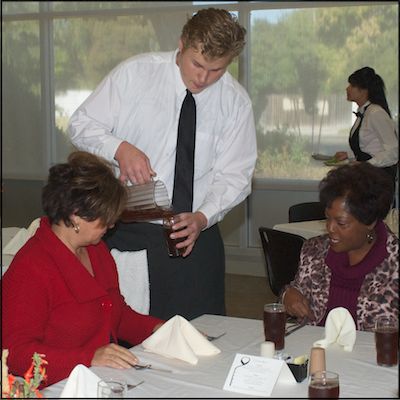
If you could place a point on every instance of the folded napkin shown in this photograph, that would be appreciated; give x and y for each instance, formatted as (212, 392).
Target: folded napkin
(339, 328)
(392, 221)
(178, 338)
(21, 237)
(81, 384)
(133, 276)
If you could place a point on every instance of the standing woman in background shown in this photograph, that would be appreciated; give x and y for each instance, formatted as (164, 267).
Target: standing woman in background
(373, 137)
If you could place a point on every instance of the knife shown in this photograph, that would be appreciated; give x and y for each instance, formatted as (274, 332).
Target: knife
(149, 366)
(303, 323)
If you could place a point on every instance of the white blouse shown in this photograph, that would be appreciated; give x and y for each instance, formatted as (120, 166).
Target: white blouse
(378, 136)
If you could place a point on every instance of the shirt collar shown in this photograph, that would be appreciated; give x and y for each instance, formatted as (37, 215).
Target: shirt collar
(180, 85)
(362, 108)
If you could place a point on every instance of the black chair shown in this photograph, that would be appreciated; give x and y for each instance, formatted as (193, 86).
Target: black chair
(306, 211)
(282, 255)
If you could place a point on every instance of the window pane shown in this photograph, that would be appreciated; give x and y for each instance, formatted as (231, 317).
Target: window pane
(300, 62)
(17, 7)
(87, 49)
(23, 141)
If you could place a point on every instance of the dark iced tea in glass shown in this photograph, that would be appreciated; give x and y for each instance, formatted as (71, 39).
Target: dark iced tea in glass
(274, 324)
(387, 346)
(323, 392)
(323, 385)
(171, 243)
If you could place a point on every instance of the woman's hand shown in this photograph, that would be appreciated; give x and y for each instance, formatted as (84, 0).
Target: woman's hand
(297, 305)
(115, 356)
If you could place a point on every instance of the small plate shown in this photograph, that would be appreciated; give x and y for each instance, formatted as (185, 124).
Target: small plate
(321, 157)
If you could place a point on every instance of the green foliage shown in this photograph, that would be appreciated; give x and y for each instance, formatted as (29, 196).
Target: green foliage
(286, 155)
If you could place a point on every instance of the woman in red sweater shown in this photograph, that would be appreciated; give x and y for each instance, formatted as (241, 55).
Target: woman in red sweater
(60, 294)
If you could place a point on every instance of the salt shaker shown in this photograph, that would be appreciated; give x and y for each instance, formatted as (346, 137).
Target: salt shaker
(317, 360)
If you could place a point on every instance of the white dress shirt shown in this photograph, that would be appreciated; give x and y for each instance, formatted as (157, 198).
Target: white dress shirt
(140, 101)
(378, 136)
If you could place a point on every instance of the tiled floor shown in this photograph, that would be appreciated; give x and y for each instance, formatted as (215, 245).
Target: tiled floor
(246, 295)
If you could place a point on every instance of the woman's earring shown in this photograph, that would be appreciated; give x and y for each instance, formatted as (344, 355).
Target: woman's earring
(370, 236)
(76, 227)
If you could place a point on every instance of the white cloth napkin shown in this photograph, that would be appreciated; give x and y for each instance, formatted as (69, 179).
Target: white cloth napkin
(392, 221)
(81, 384)
(21, 237)
(133, 278)
(339, 328)
(179, 339)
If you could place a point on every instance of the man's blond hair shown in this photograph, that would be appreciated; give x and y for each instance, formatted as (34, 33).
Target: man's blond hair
(216, 33)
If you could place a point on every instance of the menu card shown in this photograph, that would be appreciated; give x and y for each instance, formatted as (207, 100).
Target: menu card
(256, 375)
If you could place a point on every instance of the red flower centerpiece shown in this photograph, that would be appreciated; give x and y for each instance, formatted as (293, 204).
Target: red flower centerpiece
(26, 388)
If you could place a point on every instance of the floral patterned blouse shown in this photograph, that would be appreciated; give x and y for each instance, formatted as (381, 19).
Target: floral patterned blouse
(379, 292)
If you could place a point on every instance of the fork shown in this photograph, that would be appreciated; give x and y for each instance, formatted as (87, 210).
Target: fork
(211, 338)
(130, 386)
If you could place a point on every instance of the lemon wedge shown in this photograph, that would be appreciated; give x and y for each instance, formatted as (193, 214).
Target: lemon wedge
(300, 359)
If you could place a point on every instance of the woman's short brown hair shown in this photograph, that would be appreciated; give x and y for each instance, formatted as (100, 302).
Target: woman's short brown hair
(86, 186)
(215, 32)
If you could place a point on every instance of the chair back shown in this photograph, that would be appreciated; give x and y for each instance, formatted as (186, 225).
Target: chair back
(282, 255)
(306, 211)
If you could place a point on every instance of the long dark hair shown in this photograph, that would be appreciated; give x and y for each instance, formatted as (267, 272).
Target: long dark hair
(366, 78)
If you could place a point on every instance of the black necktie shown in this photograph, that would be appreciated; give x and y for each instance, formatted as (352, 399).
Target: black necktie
(182, 198)
(357, 114)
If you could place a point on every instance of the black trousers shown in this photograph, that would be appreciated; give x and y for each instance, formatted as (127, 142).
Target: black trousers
(189, 286)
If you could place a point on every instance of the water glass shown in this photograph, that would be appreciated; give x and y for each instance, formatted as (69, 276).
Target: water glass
(112, 389)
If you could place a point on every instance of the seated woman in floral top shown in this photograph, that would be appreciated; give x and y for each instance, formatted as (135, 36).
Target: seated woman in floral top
(356, 264)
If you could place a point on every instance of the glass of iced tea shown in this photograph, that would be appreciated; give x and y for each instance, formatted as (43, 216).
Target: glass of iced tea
(274, 324)
(386, 341)
(173, 251)
(323, 385)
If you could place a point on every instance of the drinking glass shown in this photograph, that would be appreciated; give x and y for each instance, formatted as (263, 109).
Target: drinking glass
(112, 389)
(274, 325)
(146, 202)
(168, 222)
(323, 385)
(386, 341)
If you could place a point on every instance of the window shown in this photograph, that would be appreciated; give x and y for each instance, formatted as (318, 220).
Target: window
(295, 67)
(300, 61)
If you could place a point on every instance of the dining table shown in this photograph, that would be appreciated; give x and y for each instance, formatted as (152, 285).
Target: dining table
(359, 374)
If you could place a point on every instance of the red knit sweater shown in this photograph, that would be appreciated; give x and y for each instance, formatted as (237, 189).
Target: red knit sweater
(53, 305)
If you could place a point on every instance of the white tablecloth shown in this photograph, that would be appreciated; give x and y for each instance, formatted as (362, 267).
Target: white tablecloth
(307, 229)
(359, 375)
